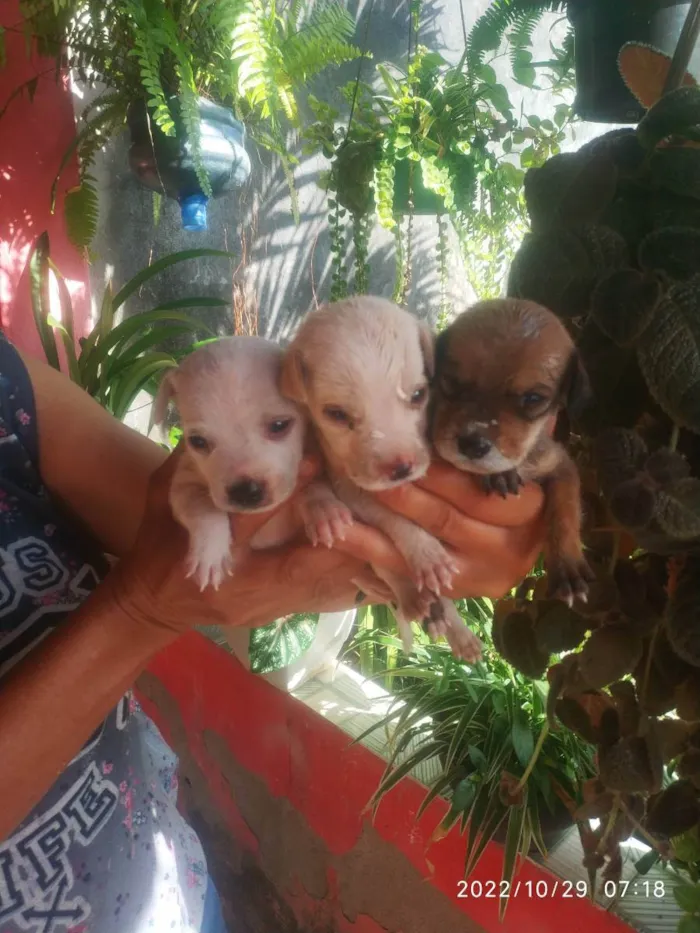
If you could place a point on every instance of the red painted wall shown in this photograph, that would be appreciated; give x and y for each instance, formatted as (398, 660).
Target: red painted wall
(301, 756)
(33, 137)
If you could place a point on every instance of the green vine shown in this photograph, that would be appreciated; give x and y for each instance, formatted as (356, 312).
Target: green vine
(445, 311)
(339, 281)
(400, 254)
(360, 239)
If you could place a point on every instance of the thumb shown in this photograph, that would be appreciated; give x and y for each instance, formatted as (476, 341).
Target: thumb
(245, 526)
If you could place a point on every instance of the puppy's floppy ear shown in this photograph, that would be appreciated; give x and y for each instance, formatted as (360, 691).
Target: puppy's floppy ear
(576, 392)
(427, 346)
(166, 391)
(294, 376)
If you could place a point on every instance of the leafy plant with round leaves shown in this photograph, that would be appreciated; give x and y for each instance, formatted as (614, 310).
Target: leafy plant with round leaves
(619, 224)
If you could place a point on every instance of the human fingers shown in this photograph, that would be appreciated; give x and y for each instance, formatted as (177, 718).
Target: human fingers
(445, 489)
(450, 524)
(494, 559)
(245, 526)
(299, 578)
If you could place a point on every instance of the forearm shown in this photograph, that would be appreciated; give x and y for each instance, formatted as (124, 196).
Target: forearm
(53, 700)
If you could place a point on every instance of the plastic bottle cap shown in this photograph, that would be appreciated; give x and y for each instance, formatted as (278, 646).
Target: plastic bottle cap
(193, 209)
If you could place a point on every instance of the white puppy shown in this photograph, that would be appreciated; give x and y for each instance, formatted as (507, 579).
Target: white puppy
(244, 445)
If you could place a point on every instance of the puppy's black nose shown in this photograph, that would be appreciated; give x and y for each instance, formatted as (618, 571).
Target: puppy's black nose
(400, 470)
(474, 446)
(246, 493)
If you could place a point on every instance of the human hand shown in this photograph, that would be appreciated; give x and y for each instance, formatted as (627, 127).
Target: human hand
(150, 584)
(494, 542)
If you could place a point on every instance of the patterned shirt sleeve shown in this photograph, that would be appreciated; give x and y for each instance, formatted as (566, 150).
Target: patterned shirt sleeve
(17, 409)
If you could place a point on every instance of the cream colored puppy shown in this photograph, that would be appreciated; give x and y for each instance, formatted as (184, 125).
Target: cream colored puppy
(361, 368)
(244, 445)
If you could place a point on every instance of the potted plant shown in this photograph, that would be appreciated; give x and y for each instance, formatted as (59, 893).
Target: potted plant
(177, 60)
(116, 361)
(599, 29)
(437, 139)
(508, 778)
(613, 250)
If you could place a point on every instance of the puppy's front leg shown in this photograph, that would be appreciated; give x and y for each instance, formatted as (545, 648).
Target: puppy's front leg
(430, 564)
(325, 517)
(567, 570)
(210, 556)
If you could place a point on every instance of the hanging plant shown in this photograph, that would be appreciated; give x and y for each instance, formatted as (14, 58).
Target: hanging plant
(436, 139)
(249, 57)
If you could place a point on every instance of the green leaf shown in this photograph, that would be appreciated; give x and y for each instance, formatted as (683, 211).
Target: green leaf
(459, 737)
(524, 74)
(137, 281)
(81, 206)
(464, 794)
(478, 758)
(528, 156)
(41, 306)
(669, 354)
(688, 897)
(514, 838)
(442, 784)
(393, 776)
(675, 113)
(275, 646)
(647, 861)
(66, 328)
(123, 393)
(689, 924)
(117, 362)
(521, 734)
(678, 509)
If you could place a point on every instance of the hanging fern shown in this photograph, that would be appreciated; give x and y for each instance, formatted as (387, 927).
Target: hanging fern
(150, 42)
(318, 43)
(521, 15)
(253, 56)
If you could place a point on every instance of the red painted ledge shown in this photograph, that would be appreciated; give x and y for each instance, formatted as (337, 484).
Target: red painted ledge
(301, 756)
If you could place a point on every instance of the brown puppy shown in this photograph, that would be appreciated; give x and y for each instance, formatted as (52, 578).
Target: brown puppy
(504, 369)
(361, 368)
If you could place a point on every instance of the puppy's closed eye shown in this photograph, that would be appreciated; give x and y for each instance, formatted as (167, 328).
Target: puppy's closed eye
(338, 415)
(199, 443)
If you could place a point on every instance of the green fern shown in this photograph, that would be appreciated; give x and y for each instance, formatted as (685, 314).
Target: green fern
(320, 42)
(150, 42)
(489, 30)
(81, 207)
(189, 111)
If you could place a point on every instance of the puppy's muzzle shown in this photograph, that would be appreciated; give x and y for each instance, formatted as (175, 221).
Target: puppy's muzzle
(473, 446)
(247, 494)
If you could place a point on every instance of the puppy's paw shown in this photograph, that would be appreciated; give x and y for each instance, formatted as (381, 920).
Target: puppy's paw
(568, 579)
(326, 520)
(210, 558)
(431, 565)
(502, 483)
(445, 621)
